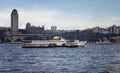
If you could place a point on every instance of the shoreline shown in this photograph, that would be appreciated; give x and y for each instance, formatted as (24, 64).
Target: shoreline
(21, 43)
(10, 42)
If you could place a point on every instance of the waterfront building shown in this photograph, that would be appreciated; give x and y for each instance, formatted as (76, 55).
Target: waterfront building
(96, 29)
(111, 30)
(14, 21)
(34, 29)
(100, 30)
(114, 29)
(5, 30)
(5, 33)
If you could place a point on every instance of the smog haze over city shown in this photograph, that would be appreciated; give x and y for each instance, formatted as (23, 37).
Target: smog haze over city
(65, 14)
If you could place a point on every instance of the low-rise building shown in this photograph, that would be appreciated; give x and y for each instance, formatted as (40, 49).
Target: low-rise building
(114, 29)
(34, 29)
(110, 30)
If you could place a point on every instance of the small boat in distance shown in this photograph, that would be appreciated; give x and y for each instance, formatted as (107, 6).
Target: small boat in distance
(75, 43)
(56, 42)
(104, 42)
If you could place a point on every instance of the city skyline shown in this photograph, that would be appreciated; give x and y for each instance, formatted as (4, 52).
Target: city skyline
(65, 14)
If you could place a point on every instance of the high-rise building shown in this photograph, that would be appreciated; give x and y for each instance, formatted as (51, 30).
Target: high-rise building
(14, 21)
(53, 28)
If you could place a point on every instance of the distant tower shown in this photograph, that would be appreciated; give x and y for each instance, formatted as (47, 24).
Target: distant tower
(14, 21)
(53, 28)
(28, 25)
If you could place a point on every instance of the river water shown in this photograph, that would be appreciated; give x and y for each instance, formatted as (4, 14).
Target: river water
(90, 59)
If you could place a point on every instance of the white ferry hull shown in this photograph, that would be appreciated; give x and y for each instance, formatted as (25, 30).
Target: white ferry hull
(52, 43)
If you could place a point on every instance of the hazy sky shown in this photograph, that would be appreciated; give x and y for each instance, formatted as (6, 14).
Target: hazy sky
(65, 14)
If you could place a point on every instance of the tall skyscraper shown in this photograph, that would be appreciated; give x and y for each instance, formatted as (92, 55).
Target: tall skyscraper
(14, 21)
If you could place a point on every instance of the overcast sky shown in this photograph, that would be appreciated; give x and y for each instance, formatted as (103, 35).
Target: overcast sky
(65, 14)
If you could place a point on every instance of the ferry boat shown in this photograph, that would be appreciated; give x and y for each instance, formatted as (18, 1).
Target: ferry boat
(56, 42)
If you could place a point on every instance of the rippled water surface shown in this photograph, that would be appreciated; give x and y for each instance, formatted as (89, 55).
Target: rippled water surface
(90, 59)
